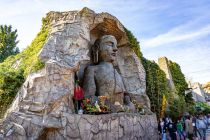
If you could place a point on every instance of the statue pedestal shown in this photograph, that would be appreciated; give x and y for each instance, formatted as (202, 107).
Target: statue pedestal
(125, 126)
(115, 126)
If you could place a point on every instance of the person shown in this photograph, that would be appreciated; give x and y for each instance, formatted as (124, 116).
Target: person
(172, 130)
(194, 127)
(208, 120)
(201, 126)
(162, 129)
(189, 127)
(180, 129)
(102, 79)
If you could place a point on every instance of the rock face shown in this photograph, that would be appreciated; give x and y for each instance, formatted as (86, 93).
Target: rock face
(85, 127)
(43, 108)
(163, 63)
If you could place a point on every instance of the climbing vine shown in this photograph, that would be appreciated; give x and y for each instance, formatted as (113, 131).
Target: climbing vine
(178, 78)
(156, 85)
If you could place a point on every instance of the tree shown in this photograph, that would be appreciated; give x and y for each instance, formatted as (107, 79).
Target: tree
(7, 42)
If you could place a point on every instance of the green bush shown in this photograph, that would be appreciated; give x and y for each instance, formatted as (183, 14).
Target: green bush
(9, 86)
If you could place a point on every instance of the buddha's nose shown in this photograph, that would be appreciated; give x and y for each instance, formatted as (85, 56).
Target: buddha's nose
(115, 48)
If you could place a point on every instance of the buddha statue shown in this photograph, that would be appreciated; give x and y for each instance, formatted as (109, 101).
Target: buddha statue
(102, 79)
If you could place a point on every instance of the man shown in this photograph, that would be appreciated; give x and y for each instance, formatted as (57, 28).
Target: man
(202, 126)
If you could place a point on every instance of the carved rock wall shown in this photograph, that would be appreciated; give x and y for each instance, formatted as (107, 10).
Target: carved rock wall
(132, 71)
(89, 127)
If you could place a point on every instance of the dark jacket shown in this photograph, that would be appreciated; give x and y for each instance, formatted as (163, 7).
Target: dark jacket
(162, 129)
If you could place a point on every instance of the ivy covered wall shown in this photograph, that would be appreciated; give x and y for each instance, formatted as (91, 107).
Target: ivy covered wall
(156, 85)
(179, 102)
(178, 78)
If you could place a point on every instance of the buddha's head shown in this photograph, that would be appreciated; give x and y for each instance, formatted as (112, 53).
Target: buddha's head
(105, 49)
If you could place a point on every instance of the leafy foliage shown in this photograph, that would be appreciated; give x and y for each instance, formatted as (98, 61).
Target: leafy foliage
(16, 68)
(134, 44)
(178, 78)
(177, 105)
(202, 107)
(189, 99)
(180, 82)
(7, 92)
(156, 85)
(7, 42)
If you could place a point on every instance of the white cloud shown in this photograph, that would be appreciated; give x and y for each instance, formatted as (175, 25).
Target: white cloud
(175, 35)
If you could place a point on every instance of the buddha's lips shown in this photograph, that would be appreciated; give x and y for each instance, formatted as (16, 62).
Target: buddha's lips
(114, 54)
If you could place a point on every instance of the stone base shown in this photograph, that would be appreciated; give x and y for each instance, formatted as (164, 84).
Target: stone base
(123, 126)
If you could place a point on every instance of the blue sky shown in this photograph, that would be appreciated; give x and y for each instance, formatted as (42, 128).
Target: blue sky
(179, 30)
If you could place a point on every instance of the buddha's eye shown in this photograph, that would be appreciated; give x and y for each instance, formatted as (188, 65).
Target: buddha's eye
(110, 44)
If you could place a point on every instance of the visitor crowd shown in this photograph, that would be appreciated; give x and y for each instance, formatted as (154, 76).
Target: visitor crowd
(185, 128)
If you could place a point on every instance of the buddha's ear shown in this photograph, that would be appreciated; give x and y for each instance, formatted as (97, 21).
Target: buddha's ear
(95, 50)
(95, 57)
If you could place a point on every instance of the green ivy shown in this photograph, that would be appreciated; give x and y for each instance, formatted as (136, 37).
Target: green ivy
(156, 85)
(177, 105)
(178, 78)
(134, 44)
(181, 85)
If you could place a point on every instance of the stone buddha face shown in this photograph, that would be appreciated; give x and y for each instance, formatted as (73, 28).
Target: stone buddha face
(107, 48)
